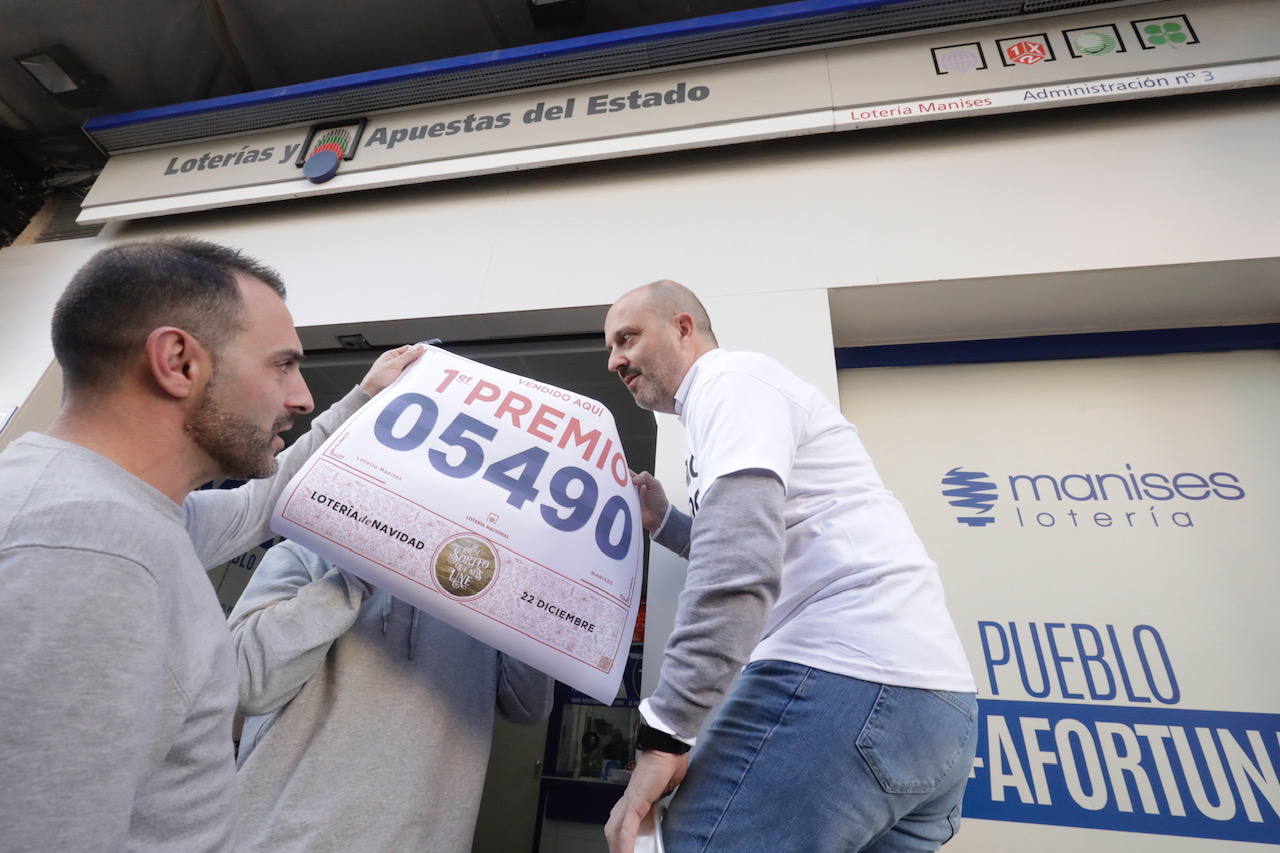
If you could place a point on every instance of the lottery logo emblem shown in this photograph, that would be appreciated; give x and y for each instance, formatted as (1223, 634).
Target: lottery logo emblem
(958, 59)
(465, 566)
(1025, 50)
(1094, 41)
(971, 491)
(1173, 31)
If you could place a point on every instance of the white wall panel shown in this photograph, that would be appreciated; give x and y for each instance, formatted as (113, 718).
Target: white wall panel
(31, 278)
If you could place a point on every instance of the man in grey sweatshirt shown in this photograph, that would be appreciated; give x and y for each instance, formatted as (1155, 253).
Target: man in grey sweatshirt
(370, 721)
(118, 682)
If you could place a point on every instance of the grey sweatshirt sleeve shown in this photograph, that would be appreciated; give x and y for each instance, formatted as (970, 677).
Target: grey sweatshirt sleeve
(224, 523)
(524, 693)
(735, 569)
(295, 606)
(83, 688)
(675, 532)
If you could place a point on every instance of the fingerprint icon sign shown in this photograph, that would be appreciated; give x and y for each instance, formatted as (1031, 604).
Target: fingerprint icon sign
(972, 492)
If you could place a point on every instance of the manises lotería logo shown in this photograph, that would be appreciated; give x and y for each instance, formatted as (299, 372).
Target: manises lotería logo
(970, 490)
(1124, 498)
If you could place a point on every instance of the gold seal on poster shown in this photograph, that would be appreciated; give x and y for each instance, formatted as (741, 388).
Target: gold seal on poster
(465, 566)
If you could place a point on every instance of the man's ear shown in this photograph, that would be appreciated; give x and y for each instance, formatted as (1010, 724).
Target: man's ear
(685, 325)
(177, 362)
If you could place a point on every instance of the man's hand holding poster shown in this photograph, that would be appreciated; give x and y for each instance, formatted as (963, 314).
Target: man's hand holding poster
(496, 503)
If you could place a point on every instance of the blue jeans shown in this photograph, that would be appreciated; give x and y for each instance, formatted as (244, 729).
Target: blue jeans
(803, 760)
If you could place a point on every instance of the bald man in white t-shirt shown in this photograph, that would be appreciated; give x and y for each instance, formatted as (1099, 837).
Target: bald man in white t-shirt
(853, 725)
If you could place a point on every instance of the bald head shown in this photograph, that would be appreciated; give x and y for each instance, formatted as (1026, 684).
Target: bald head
(667, 298)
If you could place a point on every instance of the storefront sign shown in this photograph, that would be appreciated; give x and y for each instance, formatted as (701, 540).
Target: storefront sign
(601, 119)
(1142, 51)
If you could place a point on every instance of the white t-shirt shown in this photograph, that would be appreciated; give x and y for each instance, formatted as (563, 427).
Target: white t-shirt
(859, 595)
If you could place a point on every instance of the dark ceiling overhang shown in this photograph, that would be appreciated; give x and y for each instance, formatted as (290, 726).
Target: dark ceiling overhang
(782, 27)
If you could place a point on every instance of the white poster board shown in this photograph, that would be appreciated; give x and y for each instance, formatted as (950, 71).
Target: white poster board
(497, 503)
(1107, 533)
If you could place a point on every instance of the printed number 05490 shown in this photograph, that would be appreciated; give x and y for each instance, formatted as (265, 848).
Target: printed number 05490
(571, 488)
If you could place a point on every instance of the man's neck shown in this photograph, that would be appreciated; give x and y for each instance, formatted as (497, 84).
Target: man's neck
(143, 438)
(682, 389)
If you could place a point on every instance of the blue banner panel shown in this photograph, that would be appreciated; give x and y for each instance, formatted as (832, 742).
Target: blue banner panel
(1161, 771)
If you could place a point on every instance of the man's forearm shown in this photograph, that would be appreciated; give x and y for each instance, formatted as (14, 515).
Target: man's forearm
(736, 550)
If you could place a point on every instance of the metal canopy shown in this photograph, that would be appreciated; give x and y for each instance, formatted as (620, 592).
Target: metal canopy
(774, 28)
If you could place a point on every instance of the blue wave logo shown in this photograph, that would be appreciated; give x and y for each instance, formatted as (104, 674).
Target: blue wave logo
(973, 491)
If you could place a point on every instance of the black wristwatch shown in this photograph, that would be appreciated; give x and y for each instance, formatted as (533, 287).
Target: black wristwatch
(649, 738)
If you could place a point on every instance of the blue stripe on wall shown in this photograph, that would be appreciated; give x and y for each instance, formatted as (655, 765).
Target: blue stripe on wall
(1043, 347)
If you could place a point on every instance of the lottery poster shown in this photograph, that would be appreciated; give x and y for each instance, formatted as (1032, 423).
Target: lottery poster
(497, 503)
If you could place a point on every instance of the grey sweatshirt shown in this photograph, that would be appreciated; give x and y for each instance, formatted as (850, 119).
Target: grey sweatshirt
(372, 721)
(118, 682)
(735, 548)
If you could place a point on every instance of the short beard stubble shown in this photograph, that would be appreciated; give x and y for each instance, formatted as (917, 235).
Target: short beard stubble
(241, 449)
